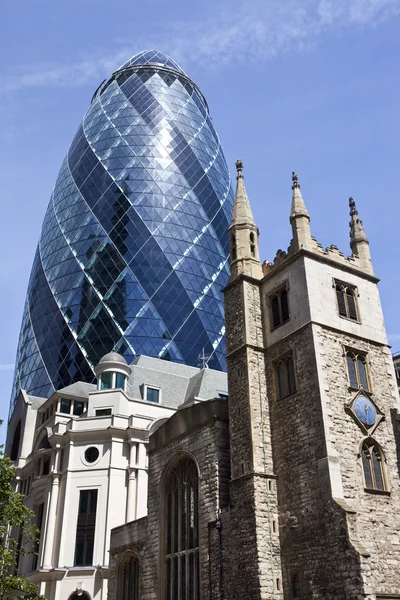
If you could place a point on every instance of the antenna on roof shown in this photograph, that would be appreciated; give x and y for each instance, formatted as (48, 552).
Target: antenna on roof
(203, 359)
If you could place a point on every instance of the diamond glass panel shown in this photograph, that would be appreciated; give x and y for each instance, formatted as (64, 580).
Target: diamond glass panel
(133, 252)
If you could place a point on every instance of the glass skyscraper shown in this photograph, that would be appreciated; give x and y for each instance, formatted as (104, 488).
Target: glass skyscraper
(133, 251)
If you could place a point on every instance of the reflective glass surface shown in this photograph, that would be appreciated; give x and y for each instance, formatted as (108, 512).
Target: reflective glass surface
(133, 251)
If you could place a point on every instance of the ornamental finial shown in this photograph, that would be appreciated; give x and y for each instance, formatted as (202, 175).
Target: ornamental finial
(353, 210)
(239, 168)
(295, 180)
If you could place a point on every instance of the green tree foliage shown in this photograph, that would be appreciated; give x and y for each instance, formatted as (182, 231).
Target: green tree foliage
(18, 535)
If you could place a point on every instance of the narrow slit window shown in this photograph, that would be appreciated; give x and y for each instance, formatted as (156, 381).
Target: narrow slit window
(286, 377)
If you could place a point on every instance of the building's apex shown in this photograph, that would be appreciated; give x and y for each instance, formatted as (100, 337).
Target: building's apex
(113, 357)
(152, 57)
(298, 208)
(241, 212)
(357, 233)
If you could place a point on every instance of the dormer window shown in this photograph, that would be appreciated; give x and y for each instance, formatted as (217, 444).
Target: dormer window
(152, 394)
(72, 407)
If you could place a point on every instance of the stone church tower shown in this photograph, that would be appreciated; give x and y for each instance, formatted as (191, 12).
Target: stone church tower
(290, 489)
(313, 412)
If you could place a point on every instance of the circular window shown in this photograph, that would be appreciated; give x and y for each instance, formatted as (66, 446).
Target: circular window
(91, 454)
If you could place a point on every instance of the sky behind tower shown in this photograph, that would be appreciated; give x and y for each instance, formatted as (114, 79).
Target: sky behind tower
(310, 86)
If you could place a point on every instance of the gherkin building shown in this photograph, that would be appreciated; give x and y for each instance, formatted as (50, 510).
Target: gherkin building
(133, 252)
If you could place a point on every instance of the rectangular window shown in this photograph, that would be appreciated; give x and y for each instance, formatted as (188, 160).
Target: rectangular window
(39, 524)
(286, 381)
(120, 381)
(223, 396)
(65, 406)
(103, 412)
(79, 407)
(106, 381)
(85, 528)
(346, 300)
(357, 370)
(152, 394)
(279, 307)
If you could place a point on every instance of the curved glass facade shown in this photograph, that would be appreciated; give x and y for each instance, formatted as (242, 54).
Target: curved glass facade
(133, 251)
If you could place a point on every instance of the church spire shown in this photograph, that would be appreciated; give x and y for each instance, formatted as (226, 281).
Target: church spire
(299, 218)
(241, 211)
(359, 243)
(243, 233)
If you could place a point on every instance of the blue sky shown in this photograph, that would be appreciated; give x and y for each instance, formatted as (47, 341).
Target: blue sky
(305, 85)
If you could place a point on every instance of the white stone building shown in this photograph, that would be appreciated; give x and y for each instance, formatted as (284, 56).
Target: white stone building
(81, 461)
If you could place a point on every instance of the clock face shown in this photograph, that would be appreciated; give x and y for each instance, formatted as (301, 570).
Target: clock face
(365, 410)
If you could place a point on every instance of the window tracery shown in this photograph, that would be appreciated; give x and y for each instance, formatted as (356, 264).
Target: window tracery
(182, 532)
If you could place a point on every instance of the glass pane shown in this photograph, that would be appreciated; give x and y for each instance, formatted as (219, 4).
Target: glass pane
(284, 306)
(275, 311)
(65, 406)
(367, 468)
(152, 395)
(351, 305)
(78, 407)
(341, 301)
(377, 466)
(168, 580)
(362, 374)
(283, 380)
(120, 380)
(291, 378)
(106, 381)
(183, 577)
(352, 372)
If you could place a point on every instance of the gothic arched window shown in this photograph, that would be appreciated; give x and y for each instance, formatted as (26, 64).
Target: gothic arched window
(373, 466)
(285, 376)
(279, 307)
(357, 370)
(296, 591)
(182, 532)
(346, 299)
(128, 578)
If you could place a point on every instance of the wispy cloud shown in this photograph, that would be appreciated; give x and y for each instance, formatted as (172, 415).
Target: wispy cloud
(7, 367)
(255, 30)
(394, 337)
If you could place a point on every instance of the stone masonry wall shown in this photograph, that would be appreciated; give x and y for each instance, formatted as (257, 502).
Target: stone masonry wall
(313, 528)
(377, 520)
(201, 431)
(253, 569)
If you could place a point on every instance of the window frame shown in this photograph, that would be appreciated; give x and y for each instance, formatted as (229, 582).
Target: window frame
(370, 445)
(357, 355)
(180, 545)
(126, 559)
(86, 528)
(284, 359)
(277, 293)
(152, 387)
(355, 294)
